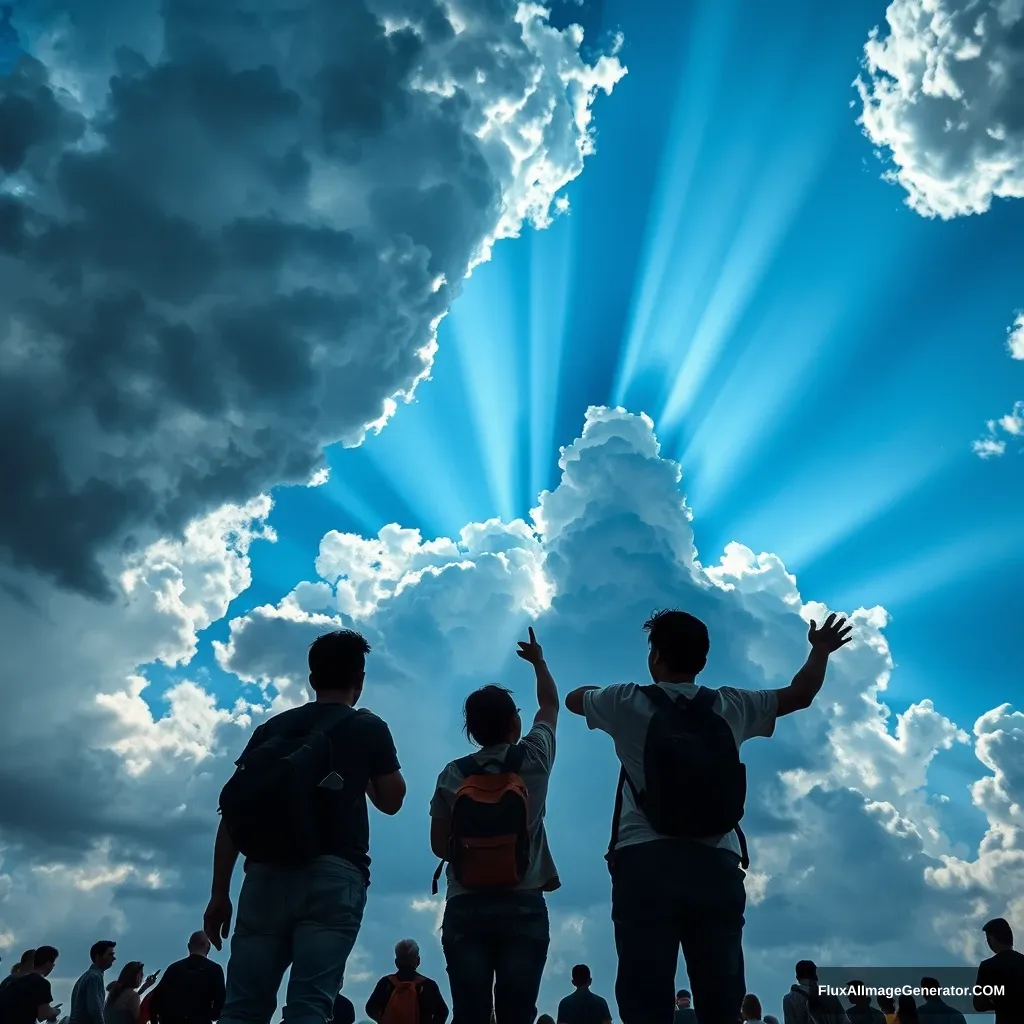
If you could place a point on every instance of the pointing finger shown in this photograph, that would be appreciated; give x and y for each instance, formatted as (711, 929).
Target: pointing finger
(533, 637)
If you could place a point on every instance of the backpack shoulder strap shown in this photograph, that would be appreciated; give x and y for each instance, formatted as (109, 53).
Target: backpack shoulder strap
(340, 713)
(658, 697)
(704, 699)
(467, 766)
(514, 758)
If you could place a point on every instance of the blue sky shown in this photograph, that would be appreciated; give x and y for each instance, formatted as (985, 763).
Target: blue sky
(817, 354)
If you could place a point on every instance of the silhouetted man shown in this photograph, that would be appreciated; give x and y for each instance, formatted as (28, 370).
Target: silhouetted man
(344, 1011)
(420, 995)
(1005, 969)
(90, 993)
(860, 1009)
(803, 1004)
(935, 1008)
(296, 810)
(191, 990)
(583, 1006)
(677, 853)
(750, 1009)
(28, 998)
(684, 1013)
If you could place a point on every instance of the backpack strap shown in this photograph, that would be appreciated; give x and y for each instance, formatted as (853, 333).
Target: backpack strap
(514, 758)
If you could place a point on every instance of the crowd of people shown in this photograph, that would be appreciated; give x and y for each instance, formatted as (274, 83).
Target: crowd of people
(296, 811)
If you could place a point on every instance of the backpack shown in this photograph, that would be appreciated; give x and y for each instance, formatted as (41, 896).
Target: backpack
(271, 806)
(489, 846)
(403, 1005)
(696, 784)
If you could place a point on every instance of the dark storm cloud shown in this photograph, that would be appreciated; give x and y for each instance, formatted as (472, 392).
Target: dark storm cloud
(229, 263)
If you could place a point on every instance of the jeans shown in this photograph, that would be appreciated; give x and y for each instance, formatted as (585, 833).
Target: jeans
(670, 893)
(305, 917)
(495, 946)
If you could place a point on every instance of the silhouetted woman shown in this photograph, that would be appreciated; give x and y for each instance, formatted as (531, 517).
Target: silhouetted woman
(123, 995)
(906, 1011)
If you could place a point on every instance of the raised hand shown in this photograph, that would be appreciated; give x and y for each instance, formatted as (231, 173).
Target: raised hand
(530, 650)
(833, 633)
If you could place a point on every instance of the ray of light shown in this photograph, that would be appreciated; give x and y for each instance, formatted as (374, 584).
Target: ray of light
(834, 495)
(340, 490)
(484, 330)
(703, 62)
(552, 254)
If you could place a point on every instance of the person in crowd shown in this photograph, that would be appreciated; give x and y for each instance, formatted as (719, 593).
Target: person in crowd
(192, 989)
(295, 809)
(88, 995)
(344, 1011)
(770, 1019)
(684, 1013)
(677, 853)
(803, 1004)
(124, 996)
(906, 1010)
(487, 824)
(26, 965)
(28, 998)
(583, 1006)
(1005, 970)
(750, 1009)
(935, 1008)
(407, 997)
(545, 1018)
(888, 1007)
(860, 1010)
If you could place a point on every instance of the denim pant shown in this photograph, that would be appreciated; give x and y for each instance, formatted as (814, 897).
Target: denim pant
(670, 893)
(305, 917)
(495, 946)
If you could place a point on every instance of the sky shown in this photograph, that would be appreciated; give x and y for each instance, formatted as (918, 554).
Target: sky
(439, 320)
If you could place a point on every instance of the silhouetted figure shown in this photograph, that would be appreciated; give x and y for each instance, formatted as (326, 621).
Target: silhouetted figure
(860, 1009)
(296, 810)
(407, 997)
(487, 822)
(677, 853)
(191, 990)
(89, 994)
(583, 1006)
(25, 965)
(803, 1004)
(28, 998)
(750, 1009)
(906, 1010)
(344, 1011)
(1004, 968)
(684, 1012)
(770, 1019)
(888, 1007)
(124, 996)
(935, 1008)
(545, 1018)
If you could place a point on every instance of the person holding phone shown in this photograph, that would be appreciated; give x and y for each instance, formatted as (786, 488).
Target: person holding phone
(28, 998)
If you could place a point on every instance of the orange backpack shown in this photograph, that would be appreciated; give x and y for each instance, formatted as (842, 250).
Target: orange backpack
(403, 1006)
(489, 846)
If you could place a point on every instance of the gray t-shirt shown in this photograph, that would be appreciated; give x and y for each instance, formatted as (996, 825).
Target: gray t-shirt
(539, 742)
(624, 712)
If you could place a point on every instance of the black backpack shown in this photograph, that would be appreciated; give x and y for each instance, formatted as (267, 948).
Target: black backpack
(271, 806)
(696, 784)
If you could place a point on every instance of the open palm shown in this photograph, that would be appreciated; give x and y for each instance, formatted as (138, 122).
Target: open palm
(833, 633)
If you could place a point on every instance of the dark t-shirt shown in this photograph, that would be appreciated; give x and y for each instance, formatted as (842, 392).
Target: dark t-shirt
(190, 990)
(583, 1007)
(20, 1000)
(344, 1011)
(1006, 968)
(362, 750)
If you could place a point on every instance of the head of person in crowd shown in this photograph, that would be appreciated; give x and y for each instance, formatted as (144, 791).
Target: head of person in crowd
(199, 944)
(807, 975)
(491, 717)
(750, 1008)
(129, 979)
(770, 1019)
(102, 954)
(337, 665)
(857, 996)
(407, 954)
(906, 1010)
(683, 999)
(679, 646)
(44, 959)
(886, 1004)
(930, 989)
(999, 934)
(25, 964)
(545, 1018)
(581, 976)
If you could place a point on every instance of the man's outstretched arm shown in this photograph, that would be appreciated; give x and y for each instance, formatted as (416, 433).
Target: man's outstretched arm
(800, 693)
(547, 692)
(574, 700)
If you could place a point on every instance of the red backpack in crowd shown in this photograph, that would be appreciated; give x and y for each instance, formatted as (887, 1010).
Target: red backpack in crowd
(403, 1005)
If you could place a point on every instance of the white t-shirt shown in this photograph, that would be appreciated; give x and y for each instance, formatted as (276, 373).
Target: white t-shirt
(624, 712)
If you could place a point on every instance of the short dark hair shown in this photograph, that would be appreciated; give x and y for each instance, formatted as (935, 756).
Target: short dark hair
(681, 640)
(337, 660)
(930, 987)
(44, 955)
(581, 975)
(857, 998)
(753, 1005)
(999, 929)
(99, 948)
(887, 1003)
(806, 969)
(28, 957)
(683, 994)
(489, 713)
